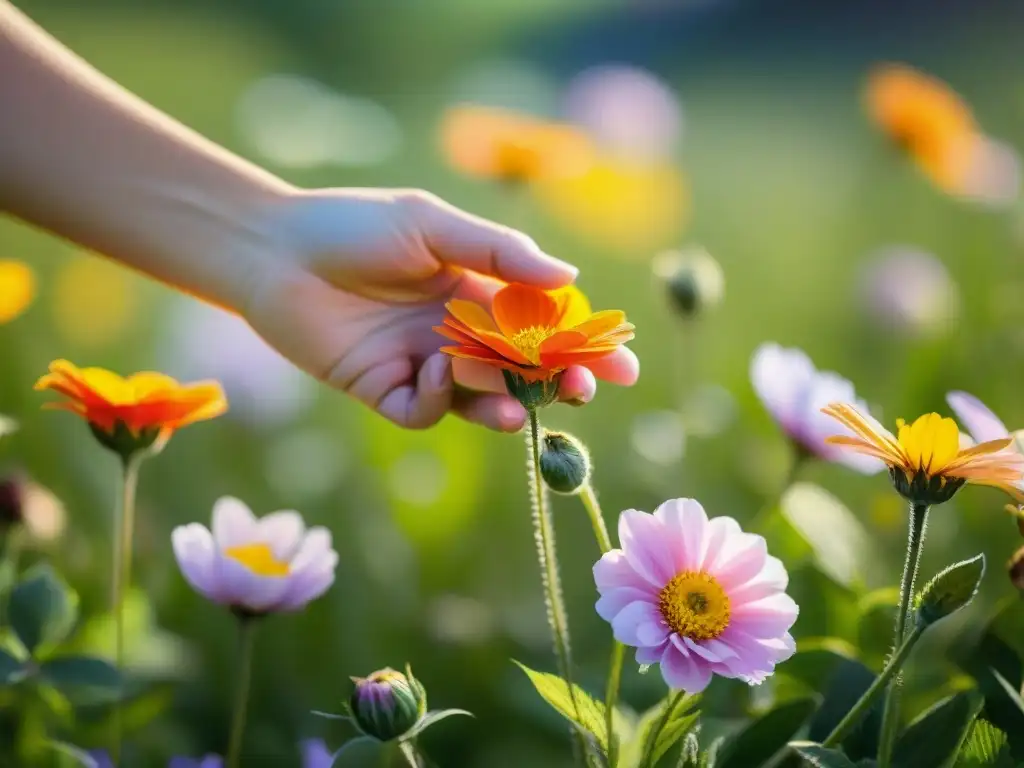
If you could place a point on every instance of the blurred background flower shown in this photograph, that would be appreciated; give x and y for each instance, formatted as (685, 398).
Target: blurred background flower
(17, 288)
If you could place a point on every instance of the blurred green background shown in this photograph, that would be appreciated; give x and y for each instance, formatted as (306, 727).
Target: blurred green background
(735, 125)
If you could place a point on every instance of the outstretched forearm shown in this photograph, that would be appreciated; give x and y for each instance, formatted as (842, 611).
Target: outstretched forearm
(82, 157)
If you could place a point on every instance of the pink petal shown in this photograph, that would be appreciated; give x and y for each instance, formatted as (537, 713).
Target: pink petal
(976, 417)
(772, 579)
(685, 524)
(650, 654)
(614, 600)
(707, 652)
(765, 618)
(684, 674)
(633, 620)
(642, 538)
(781, 378)
(740, 557)
(613, 570)
(233, 523)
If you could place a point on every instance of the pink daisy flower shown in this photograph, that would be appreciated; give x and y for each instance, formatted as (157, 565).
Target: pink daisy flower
(697, 596)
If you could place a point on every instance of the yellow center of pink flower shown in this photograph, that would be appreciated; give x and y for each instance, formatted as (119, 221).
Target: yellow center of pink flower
(528, 341)
(258, 558)
(694, 605)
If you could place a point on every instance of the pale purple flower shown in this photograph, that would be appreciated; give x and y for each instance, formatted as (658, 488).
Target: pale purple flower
(696, 596)
(257, 565)
(794, 392)
(981, 423)
(908, 291)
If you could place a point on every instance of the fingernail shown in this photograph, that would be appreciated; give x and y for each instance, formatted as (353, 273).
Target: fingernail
(563, 266)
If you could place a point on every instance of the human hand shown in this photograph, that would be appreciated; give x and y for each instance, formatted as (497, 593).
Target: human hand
(361, 276)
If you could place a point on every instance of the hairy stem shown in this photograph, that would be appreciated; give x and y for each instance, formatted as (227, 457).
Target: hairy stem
(890, 715)
(547, 556)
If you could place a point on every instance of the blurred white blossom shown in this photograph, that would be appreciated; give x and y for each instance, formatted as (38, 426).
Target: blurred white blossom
(909, 291)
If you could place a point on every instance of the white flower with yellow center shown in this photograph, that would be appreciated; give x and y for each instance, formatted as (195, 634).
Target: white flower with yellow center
(256, 566)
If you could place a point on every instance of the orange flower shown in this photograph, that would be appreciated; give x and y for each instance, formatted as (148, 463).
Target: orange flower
(928, 119)
(534, 333)
(142, 403)
(512, 147)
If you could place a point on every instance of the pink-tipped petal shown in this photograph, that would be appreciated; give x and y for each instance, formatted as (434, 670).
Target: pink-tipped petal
(642, 539)
(771, 579)
(739, 557)
(686, 527)
(767, 617)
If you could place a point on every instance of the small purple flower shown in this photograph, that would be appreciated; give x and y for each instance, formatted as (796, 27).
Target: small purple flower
(794, 392)
(256, 565)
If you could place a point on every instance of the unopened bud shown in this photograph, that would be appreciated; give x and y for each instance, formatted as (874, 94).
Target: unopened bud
(950, 590)
(387, 704)
(564, 463)
(693, 278)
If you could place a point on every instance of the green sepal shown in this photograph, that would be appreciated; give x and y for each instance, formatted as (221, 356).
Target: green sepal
(951, 589)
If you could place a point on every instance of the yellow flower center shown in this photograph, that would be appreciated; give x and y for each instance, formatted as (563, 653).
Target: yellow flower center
(258, 558)
(930, 443)
(528, 341)
(694, 605)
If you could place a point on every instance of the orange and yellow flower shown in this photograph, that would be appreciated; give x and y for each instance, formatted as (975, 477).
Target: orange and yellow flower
(927, 119)
(925, 460)
(512, 147)
(142, 402)
(533, 333)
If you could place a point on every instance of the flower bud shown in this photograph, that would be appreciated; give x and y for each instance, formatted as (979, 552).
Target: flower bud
(126, 443)
(951, 589)
(694, 280)
(387, 704)
(564, 463)
(532, 394)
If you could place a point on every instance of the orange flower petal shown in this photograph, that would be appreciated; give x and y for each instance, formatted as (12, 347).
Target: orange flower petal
(503, 347)
(472, 315)
(563, 341)
(450, 332)
(601, 323)
(573, 307)
(517, 307)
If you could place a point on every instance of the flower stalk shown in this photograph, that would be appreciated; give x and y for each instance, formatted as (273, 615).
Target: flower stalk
(604, 542)
(860, 709)
(124, 533)
(652, 738)
(890, 716)
(247, 635)
(548, 560)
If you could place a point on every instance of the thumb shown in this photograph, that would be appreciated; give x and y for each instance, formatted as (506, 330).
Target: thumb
(464, 240)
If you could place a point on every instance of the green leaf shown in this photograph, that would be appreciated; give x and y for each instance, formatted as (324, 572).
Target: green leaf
(431, 718)
(770, 733)
(847, 683)
(42, 609)
(681, 720)
(11, 670)
(985, 747)
(83, 677)
(72, 755)
(950, 590)
(841, 546)
(935, 736)
(1011, 692)
(555, 691)
(358, 753)
(710, 757)
(821, 757)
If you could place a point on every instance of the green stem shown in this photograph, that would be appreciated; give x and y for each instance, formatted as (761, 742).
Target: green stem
(410, 755)
(124, 525)
(890, 715)
(12, 545)
(860, 709)
(247, 635)
(652, 737)
(548, 559)
(604, 542)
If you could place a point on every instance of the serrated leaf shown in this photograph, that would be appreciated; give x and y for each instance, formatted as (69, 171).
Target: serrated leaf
(985, 747)
(555, 691)
(821, 757)
(83, 677)
(950, 590)
(935, 736)
(42, 609)
(767, 735)
(847, 683)
(681, 720)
